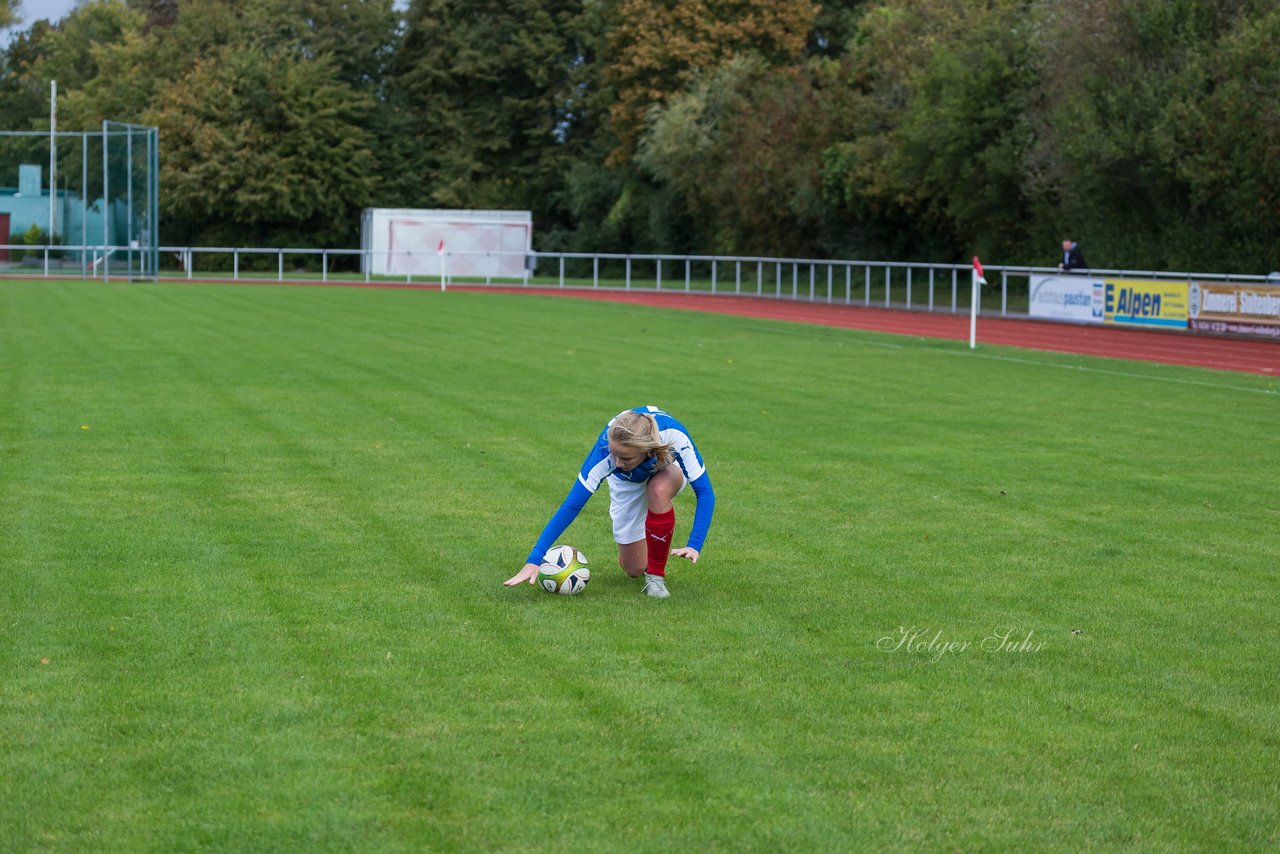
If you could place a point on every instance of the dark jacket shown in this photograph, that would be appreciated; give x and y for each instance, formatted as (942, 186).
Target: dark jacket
(1074, 260)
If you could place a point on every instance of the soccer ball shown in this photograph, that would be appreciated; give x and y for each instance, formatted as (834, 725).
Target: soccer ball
(564, 570)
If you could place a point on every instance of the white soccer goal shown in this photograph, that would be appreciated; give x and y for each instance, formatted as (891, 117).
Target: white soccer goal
(471, 244)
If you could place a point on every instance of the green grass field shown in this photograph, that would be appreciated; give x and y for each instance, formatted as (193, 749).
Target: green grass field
(252, 540)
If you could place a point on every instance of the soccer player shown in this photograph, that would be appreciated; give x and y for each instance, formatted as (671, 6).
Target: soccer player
(647, 457)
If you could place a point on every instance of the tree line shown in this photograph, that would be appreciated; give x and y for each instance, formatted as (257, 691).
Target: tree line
(1149, 130)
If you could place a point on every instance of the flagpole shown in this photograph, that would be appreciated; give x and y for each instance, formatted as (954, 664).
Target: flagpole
(978, 279)
(443, 277)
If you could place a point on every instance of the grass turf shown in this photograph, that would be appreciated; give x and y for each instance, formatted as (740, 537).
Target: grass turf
(252, 540)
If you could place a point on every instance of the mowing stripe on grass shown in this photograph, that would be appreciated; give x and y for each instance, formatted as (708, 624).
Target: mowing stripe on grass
(266, 582)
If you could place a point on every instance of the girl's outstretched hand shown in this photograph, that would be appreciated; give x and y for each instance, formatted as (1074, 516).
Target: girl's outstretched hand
(689, 554)
(529, 573)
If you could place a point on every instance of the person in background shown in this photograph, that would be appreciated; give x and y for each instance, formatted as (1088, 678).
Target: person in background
(1072, 257)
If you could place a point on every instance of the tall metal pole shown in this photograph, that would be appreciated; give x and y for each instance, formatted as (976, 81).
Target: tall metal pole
(106, 209)
(128, 205)
(153, 201)
(53, 156)
(84, 203)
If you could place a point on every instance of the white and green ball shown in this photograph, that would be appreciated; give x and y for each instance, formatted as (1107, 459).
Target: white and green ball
(564, 570)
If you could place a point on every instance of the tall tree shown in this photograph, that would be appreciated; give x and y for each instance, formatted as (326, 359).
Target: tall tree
(1101, 164)
(264, 149)
(743, 147)
(657, 47)
(24, 93)
(485, 88)
(929, 162)
(360, 36)
(269, 110)
(959, 153)
(68, 51)
(900, 128)
(1221, 138)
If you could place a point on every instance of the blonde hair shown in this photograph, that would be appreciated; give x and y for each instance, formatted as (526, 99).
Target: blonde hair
(639, 430)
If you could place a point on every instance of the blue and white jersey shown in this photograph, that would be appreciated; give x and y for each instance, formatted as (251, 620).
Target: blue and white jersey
(600, 465)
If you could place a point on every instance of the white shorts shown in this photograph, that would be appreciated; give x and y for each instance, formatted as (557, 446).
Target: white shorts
(628, 506)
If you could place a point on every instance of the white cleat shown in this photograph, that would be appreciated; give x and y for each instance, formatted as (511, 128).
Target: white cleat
(655, 586)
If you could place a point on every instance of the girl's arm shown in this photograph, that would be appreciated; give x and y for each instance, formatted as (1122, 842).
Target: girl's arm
(701, 518)
(560, 521)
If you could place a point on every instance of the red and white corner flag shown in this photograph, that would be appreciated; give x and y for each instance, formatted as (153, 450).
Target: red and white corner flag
(979, 278)
(977, 268)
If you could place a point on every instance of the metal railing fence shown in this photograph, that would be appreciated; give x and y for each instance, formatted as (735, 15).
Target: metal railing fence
(886, 284)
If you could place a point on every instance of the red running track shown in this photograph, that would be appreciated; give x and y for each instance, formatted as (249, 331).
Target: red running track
(1170, 348)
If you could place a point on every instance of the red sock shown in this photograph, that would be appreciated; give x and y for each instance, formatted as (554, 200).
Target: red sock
(657, 533)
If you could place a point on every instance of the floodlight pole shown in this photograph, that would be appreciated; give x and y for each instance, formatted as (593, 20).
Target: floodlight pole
(84, 206)
(106, 208)
(53, 162)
